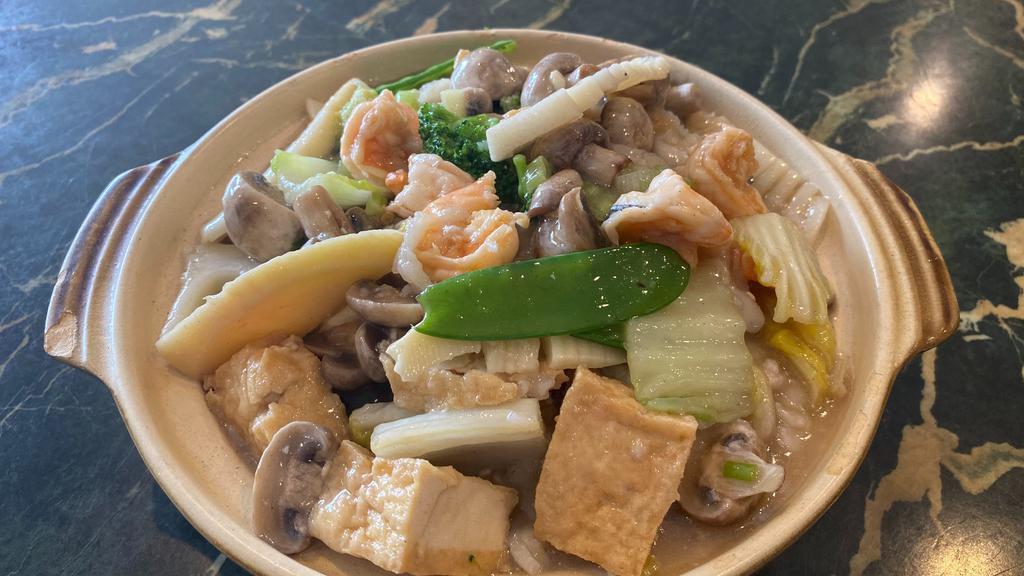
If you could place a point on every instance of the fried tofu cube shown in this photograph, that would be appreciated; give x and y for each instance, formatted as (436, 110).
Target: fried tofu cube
(611, 473)
(407, 515)
(263, 388)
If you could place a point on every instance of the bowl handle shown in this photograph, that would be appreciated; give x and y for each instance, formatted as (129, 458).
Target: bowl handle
(923, 291)
(78, 319)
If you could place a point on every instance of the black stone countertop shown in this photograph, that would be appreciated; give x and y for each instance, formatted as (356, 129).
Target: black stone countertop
(930, 91)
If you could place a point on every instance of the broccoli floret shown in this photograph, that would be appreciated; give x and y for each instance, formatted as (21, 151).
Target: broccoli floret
(463, 142)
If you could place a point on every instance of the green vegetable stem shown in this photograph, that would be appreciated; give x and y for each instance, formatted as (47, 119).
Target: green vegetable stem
(530, 175)
(565, 294)
(437, 71)
(410, 98)
(598, 200)
(742, 471)
(297, 168)
(509, 103)
(362, 94)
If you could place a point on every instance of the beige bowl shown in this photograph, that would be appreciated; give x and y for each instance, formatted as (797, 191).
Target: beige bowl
(124, 267)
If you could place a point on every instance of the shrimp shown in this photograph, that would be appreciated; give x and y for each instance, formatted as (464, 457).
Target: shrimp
(396, 180)
(458, 232)
(668, 213)
(379, 137)
(429, 176)
(721, 168)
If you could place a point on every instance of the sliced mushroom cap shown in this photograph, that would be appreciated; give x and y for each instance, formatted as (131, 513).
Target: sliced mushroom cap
(598, 164)
(320, 215)
(344, 372)
(477, 101)
(488, 70)
(651, 94)
(359, 220)
(709, 507)
(392, 279)
(570, 230)
(547, 196)
(683, 100)
(383, 305)
(371, 341)
(561, 146)
(527, 241)
(627, 123)
(703, 501)
(288, 483)
(256, 218)
(538, 84)
(334, 341)
(581, 72)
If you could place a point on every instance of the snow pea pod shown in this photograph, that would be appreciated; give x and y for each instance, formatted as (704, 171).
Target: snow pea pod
(564, 294)
(613, 335)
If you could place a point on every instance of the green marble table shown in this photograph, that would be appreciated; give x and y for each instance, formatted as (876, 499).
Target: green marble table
(930, 91)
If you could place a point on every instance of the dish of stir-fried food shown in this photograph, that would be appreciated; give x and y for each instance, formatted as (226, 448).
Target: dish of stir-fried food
(493, 317)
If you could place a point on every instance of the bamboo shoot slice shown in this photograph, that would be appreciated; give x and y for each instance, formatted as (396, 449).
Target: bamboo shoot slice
(289, 294)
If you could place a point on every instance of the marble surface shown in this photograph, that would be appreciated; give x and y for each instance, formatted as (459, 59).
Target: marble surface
(929, 90)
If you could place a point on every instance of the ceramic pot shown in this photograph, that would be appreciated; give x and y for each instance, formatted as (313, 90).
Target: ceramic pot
(894, 297)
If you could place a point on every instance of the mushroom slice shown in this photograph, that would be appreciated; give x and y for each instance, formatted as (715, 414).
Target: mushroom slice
(288, 483)
(477, 101)
(321, 217)
(683, 100)
(538, 84)
(359, 220)
(344, 372)
(561, 146)
(718, 497)
(527, 241)
(256, 218)
(599, 164)
(549, 193)
(572, 230)
(370, 341)
(628, 123)
(333, 340)
(649, 94)
(383, 304)
(581, 72)
(488, 70)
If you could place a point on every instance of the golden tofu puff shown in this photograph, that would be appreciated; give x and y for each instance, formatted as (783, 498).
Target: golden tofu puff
(403, 514)
(263, 388)
(611, 473)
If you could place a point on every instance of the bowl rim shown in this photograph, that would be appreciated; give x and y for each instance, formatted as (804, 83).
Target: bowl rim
(747, 555)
